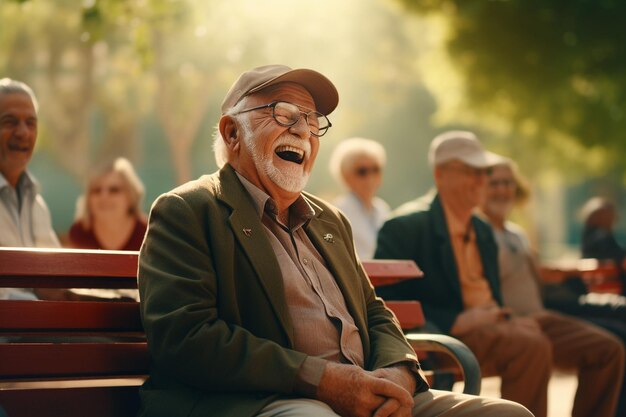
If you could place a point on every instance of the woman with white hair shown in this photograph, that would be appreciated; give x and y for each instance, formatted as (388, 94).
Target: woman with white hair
(109, 215)
(358, 164)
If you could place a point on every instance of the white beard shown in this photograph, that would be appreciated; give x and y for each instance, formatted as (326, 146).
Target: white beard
(293, 178)
(499, 209)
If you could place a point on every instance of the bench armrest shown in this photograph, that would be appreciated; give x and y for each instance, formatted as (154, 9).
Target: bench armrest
(455, 349)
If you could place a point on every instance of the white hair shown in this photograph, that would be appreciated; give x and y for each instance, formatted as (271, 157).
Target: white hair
(220, 150)
(10, 86)
(348, 151)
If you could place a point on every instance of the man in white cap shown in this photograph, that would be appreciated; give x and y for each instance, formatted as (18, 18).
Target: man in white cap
(460, 290)
(253, 300)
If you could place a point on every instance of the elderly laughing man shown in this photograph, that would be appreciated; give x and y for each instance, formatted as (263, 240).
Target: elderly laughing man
(253, 300)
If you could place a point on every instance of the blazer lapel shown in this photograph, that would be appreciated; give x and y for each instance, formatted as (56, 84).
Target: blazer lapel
(327, 239)
(250, 233)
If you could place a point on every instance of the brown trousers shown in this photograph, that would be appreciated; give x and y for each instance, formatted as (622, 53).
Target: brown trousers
(523, 351)
(431, 403)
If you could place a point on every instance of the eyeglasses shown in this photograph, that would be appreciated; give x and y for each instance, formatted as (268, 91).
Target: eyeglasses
(288, 114)
(365, 171)
(470, 170)
(112, 189)
(505, 182)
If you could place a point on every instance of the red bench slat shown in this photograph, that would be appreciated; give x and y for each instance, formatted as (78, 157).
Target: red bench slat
(385, 272)
(64, 402)
(21, 361)
(37, 316)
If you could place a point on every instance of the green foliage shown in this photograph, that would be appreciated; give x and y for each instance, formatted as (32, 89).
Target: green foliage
(554, 71)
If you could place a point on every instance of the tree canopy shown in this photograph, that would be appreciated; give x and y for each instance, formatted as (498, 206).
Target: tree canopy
(542, 81)
(552, 72)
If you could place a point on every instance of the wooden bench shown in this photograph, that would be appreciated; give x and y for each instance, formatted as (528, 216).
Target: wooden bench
(445, 354)
(60, 358)
(598, 275)
(387, 272)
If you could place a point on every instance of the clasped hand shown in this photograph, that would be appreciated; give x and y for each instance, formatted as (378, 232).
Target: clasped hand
(354, 392)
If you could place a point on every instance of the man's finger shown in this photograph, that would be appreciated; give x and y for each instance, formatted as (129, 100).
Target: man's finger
(388, 408)
(389, 389)
(402, 412)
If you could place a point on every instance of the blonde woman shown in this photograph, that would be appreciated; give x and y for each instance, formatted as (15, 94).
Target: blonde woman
(109, 215)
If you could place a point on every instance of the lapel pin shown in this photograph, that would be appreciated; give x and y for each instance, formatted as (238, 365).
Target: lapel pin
(247, 232)
(329, 238)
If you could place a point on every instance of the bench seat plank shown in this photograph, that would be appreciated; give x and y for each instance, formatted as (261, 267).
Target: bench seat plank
(64, 402)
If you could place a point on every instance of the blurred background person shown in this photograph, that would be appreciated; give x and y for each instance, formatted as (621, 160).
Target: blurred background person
(572, 295)
(24, 216)
(598, 240)
(460, 290)
(109, 214)
(596, 355)
(358, 164)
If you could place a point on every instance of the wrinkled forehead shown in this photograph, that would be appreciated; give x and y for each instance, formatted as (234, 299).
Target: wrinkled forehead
(14, 102)
(290, 92)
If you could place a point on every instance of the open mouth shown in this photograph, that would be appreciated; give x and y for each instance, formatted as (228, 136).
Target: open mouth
(13, 147)
(289, 153)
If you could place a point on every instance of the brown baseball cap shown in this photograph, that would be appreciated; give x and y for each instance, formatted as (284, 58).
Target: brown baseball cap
(321, 88)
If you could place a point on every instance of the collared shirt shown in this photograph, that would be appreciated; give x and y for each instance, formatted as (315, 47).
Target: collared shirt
(18, 203)
(323, 326)
(24, 222)
(474, 286)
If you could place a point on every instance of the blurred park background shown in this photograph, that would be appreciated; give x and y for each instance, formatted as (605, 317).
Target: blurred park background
(542, 81)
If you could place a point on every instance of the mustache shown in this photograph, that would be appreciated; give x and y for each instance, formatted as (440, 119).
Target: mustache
(288, 139)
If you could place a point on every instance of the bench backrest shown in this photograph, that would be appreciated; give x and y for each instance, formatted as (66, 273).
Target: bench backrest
(598, 275)
(386, 272)
(65, 357)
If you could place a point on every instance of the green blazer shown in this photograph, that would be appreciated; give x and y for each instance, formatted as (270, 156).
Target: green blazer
(422, 235)
(213, 305)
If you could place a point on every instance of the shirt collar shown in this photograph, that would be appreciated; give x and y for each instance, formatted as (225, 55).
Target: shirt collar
(299, 212)
(456, 227)
(25, 182)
